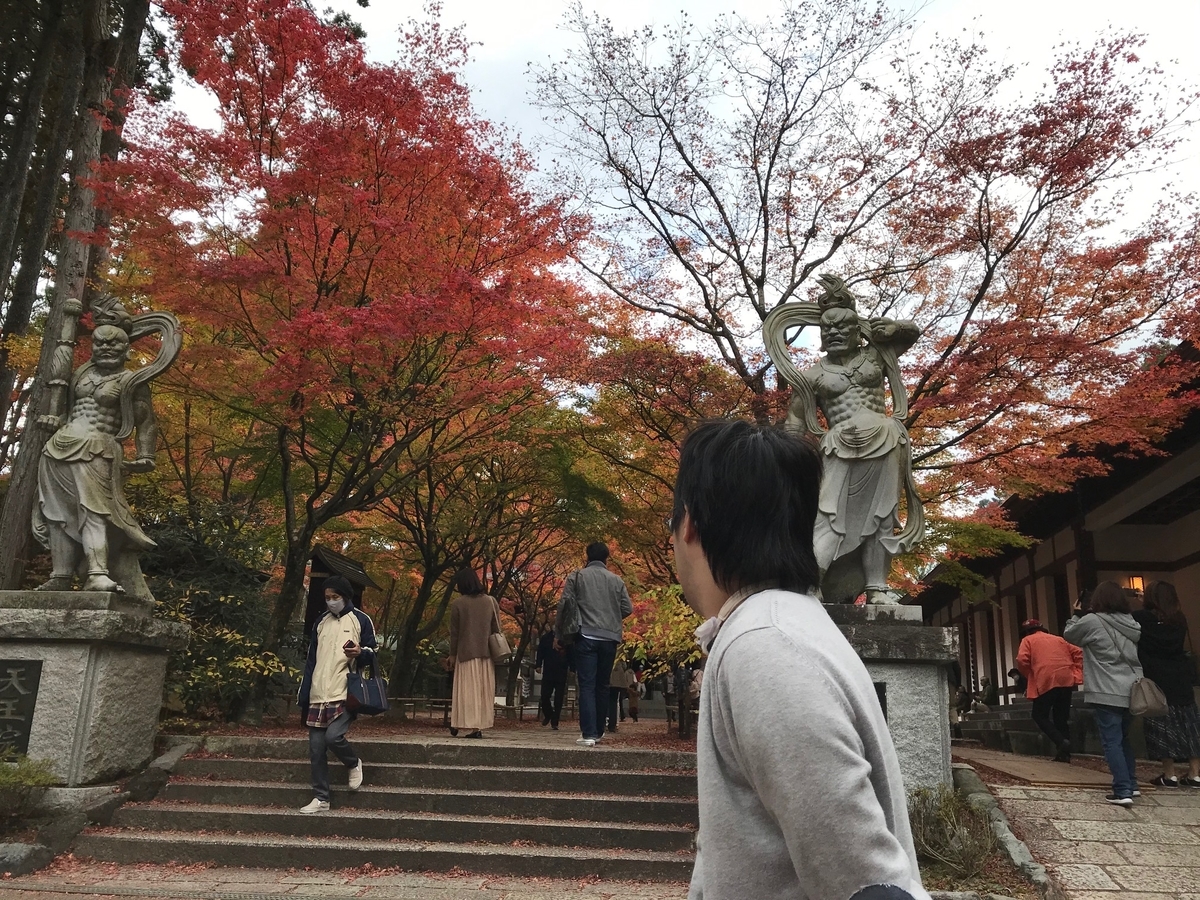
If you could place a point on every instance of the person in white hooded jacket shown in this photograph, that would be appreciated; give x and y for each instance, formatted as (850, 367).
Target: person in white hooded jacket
(1108, 635)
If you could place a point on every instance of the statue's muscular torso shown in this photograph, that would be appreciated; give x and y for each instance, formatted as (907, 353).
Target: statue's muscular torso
(97, 403)
(845, 390)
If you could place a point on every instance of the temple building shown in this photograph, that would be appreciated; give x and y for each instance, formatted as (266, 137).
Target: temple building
(1137, 524)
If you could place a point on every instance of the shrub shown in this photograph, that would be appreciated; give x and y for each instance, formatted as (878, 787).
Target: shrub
(661, 633)
(948, 830)
(224, 661)
(26, 772)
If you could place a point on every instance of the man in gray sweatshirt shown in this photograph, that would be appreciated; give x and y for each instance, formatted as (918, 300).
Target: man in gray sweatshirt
(594, 603)
(799, 784)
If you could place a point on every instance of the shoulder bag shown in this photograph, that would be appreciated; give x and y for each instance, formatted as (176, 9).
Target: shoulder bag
(1145, 697)
(366, 694)
(569, 621)
(497, 642)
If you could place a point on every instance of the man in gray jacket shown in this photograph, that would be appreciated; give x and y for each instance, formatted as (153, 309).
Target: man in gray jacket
(799, 784)
(594, 603)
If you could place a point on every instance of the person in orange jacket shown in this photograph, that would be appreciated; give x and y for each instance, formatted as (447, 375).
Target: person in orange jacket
(1053, 668)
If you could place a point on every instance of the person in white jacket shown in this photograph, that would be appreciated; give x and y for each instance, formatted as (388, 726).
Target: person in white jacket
(1109, 635)
(799, 784)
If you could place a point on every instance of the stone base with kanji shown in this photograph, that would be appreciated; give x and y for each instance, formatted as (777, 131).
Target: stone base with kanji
(81, 680)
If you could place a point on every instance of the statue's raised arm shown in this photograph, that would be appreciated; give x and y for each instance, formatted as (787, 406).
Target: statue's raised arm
(868, 463)
(81, 513)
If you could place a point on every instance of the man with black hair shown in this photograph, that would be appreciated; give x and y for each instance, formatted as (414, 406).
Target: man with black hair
(594, 602)
(799, 784)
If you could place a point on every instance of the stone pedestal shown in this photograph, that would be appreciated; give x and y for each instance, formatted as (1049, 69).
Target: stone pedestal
(81, 680)
(908, 661)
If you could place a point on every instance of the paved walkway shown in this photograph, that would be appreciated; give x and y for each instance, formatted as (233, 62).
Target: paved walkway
(1094, 850)
(69, 880)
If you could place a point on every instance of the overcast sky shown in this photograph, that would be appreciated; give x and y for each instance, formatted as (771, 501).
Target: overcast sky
(511, 35)
(1024, 32)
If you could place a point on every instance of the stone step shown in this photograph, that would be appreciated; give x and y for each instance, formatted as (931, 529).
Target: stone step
(129, 847)
(458, 752)
(457, 777)
(366, 824)
(557, 806)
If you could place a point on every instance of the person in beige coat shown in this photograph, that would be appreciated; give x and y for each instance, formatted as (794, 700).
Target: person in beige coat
(474, 617)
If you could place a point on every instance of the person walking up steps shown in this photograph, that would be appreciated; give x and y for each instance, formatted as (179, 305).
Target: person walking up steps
(474, 617)
(1175, 736)
(551, 661)
(1109, 635)
(1052, 668)
(341, 637)
(594, 603)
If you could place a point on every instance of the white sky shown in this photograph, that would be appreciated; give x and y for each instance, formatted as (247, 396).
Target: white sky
(1022, 32)
(509, 36)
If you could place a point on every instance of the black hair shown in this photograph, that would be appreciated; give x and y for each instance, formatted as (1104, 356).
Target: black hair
(597, 552)
(339, 586)
(467, 582)
(751, 492)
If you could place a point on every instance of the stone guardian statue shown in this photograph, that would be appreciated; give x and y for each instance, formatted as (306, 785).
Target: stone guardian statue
(81, 513)
(868, 462)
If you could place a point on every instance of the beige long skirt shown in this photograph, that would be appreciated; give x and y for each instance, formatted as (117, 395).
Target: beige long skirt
(473, 704)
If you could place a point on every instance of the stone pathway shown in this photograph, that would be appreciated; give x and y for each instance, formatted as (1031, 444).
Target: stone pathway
(1096, 851)
(1035, 769)
(72, 880)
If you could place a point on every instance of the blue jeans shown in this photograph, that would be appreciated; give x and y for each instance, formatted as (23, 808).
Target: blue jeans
(1113, 722)
(323, 740)
(593, 666)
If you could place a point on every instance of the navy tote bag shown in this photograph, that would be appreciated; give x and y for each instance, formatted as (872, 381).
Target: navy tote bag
(366, 695)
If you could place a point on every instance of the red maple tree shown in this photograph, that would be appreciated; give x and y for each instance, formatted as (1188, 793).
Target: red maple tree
(359, 266)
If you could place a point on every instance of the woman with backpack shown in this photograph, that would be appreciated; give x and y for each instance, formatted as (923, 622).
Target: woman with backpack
(1109, 635)
(1175, 736)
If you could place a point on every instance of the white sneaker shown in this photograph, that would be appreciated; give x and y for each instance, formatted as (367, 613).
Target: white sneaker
(356, 777)
(586, 742)
(316, 806)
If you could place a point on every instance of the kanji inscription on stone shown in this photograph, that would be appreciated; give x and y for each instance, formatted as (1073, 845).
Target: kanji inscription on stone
(19, 680)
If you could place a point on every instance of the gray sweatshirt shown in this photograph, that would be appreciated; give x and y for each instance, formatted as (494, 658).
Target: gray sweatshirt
(800, 788)
(1110, 657)
(602, 599)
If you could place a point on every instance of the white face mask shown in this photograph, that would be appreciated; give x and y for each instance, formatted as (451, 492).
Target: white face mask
(335, 605)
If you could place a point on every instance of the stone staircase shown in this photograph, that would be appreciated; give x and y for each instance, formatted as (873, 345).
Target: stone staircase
(1011, 728)
(476, 806)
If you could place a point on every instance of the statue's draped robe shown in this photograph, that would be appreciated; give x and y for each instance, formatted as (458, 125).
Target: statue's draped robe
(80, 472)
(865, 459)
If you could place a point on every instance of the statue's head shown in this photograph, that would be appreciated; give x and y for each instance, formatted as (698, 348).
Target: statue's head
(108, 310)
(110, 348)
(835, 294)
(840, 330)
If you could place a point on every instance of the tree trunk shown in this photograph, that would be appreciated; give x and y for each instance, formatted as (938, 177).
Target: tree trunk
(404, 674)
(294, 564)
(130, 40)
(514, 669)
(25, 131)
(33, 246)
(72, 269)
